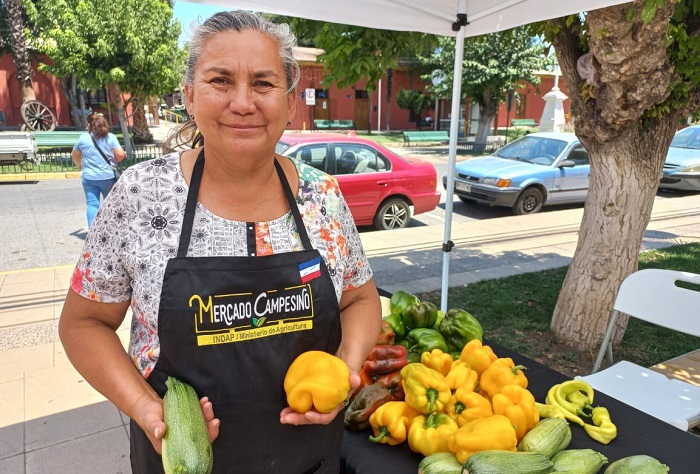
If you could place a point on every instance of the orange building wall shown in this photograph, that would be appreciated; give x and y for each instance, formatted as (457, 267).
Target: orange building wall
(342, 101)
(48, 91)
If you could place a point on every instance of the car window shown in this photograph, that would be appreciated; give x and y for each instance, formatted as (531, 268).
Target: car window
(537, 150)
(578, 155)
(314, 155)
(281, 147)
(687, 138)
(354, 158)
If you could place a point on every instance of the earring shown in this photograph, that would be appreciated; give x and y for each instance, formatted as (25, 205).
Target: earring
(191, 116)
(289, 123)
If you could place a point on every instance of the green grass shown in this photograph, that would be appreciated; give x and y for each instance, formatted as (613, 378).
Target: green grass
(516, 312)
(389, 139)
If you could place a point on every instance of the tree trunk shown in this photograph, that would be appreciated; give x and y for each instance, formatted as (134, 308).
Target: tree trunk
(70, 91)
(487, 111)
(627, 149)
(83, 109)
(624, 178)
(20, 53)
(121, 113)
(140, 129)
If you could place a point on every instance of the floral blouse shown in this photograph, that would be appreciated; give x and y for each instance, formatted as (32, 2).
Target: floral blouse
(137, 230)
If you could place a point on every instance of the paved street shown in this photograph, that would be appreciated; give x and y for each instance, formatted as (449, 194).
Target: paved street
(52, 421)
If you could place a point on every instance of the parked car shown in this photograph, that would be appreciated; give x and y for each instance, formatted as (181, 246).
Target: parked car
(381, 188)
(682, 166)
(536, 170)
(18, 148)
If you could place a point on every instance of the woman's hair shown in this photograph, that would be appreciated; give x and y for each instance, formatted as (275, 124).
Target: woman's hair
(222, 22)
(99, 127)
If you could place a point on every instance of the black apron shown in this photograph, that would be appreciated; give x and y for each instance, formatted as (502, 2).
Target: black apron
(230, 327)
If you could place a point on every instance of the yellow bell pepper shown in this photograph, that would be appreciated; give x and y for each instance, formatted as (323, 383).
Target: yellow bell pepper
(500, 373)
(492, 432)
(430, 434)
(425, 389)
(478, 356)
(467, 405)
(437, 360)
(390, 423)
(316, 380)
(461, 376)
(518, 404)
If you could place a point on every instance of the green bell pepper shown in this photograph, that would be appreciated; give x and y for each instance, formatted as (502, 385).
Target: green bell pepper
(401, 300)
(405, 343)
(413, 358)
(421, 315)
(396, 322)
(426, 339)
(459, 327)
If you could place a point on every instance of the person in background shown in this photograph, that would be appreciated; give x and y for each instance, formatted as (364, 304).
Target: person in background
(233, 261)
(97, 175)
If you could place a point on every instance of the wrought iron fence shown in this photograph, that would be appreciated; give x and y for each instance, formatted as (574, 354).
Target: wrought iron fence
(58, 160)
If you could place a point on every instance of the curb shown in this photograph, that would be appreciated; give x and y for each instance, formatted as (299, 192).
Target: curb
(38, 176)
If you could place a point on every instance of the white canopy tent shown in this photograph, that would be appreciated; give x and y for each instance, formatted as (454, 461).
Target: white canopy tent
(458, 18)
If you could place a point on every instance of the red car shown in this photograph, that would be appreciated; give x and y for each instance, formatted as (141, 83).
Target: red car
(382, 188)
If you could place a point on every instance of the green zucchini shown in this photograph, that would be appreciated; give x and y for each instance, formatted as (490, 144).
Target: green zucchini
(547, 437)
(579, 461)
(440, 463)
(186, 447)
(637, 464)
(507, 462)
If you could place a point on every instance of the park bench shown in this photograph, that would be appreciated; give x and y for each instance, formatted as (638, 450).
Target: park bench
(425, 137)
(334, 125)
(56, 139)
(523, 123)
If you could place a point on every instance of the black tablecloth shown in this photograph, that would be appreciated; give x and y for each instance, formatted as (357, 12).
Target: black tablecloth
(638, 433)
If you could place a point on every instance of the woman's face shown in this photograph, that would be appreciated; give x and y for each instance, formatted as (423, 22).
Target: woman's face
(239, 94)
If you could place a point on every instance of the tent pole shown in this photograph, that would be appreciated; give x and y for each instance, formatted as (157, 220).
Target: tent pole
(447, 244)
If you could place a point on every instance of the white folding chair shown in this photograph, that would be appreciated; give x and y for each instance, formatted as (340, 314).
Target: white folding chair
(653, 296)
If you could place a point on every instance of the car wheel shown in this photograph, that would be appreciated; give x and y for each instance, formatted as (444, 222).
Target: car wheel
(393, 214)
(466, 200)
(530, 201)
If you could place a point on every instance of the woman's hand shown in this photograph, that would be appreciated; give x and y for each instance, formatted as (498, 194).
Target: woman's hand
(290, 417)
(154, 426)
(212, 423)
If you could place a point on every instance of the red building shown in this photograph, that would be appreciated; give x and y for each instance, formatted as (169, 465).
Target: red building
(368, 111)
(49, 91)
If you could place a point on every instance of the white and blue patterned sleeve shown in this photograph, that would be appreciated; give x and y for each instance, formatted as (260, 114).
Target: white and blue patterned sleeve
(101, 272)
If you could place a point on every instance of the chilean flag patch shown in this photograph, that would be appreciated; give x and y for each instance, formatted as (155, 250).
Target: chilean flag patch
(310, 270)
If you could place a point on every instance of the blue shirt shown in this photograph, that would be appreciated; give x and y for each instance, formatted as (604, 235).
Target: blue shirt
(94, 166)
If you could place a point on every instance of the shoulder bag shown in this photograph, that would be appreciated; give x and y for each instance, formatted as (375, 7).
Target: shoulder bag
(114, 167)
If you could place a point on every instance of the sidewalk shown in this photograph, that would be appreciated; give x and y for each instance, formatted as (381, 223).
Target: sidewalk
(51, 420)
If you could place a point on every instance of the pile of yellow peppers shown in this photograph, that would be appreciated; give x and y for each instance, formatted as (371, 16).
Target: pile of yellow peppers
(477, 402)
(573, 400)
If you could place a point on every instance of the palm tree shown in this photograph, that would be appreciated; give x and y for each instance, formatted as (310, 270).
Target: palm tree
(17, 43)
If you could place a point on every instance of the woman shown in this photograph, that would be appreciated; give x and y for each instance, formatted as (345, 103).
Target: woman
(232, 265)
(97, 175)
